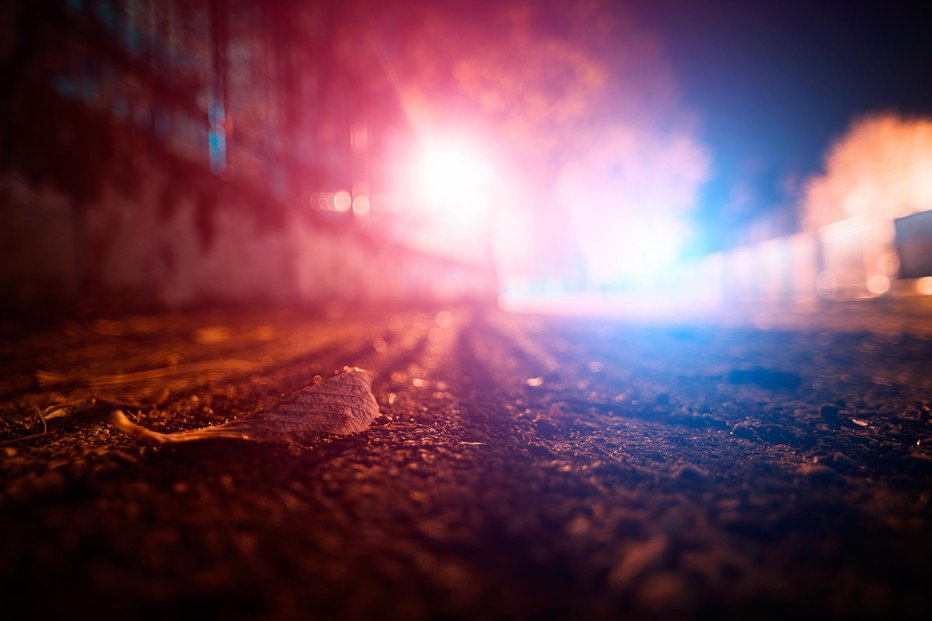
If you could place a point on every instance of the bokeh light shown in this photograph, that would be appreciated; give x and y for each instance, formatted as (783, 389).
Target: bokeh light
(923, 285)
(342, 201)
(361, 205)
(878, 284)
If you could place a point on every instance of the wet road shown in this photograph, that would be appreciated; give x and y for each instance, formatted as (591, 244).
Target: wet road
(523, 467)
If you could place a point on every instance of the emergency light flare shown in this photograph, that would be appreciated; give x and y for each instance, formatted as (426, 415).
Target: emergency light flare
(452, 178)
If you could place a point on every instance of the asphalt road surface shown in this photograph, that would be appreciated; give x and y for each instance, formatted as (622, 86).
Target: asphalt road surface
(522, 467)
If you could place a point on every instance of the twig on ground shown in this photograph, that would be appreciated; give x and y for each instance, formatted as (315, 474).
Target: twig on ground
(48, 378)
(45, 425)
(24, 438)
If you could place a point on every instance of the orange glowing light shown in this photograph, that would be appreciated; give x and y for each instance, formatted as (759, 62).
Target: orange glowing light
(882, 167)
(924, 285)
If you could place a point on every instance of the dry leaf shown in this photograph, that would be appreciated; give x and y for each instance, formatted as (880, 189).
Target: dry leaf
(341, 404)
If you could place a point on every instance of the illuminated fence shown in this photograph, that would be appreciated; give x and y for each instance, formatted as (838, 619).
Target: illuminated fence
(861, 257)
(778, 271)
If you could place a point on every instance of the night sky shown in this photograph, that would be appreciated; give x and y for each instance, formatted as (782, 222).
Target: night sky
(773, 83)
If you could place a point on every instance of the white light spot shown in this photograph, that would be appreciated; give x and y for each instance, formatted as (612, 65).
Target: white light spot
(361, 205)
(342, 201)
(878, 284)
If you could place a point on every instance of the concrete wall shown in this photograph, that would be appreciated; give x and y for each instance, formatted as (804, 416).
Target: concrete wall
(165, 247)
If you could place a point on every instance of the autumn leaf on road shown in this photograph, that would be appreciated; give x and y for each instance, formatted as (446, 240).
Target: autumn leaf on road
(341, 404)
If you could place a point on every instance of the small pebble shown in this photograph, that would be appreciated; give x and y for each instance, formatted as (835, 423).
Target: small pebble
(744, 430)
(816, 472)
(546, 428)
(690, 473)
(838, 461)
(578, 526)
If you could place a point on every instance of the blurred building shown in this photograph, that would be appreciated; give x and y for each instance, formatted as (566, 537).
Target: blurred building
(129, 123)
(275, 93)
